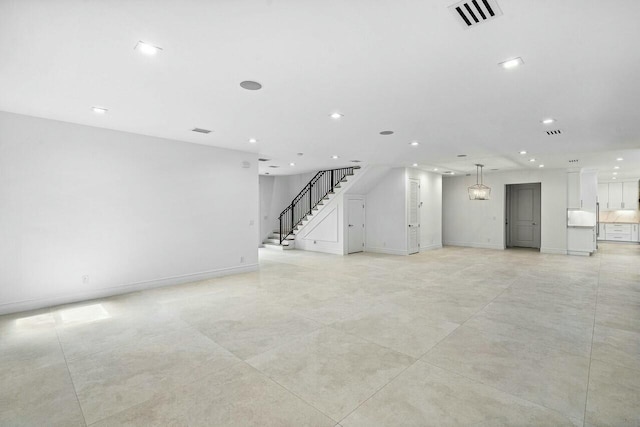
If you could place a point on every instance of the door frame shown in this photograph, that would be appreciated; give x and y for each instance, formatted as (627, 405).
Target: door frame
(507, 212)
(363, 199)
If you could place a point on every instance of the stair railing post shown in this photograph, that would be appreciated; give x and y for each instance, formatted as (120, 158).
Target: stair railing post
(310, 201)
(280, 228)
(332, 181)
(292, 217)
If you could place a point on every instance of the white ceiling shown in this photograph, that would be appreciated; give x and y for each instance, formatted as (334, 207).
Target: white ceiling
(403, 65)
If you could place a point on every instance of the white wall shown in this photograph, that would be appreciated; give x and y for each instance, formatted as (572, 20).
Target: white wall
(431, 209)
(127, 210)
(481, 223)
(386, 218)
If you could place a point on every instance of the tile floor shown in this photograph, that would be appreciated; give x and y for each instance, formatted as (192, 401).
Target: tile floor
(456, 336)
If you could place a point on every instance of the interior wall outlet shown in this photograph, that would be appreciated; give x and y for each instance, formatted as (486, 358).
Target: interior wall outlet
(85, 279)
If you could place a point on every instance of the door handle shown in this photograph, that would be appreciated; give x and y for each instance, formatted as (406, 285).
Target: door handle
(533, 223)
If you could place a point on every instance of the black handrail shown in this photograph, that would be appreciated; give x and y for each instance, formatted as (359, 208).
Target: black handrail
(319, 187)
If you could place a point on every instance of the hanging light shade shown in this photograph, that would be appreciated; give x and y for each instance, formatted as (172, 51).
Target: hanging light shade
(479, 191)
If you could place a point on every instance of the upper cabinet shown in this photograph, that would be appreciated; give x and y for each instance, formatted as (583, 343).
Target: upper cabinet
(582, 190)
(618, 195)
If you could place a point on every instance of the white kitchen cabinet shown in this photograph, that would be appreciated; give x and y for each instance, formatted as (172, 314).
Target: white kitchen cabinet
(618, 195)
(620, 232)
(574, 190)
(630, 195)
(582, 190)
(603, 195)
(615, 195)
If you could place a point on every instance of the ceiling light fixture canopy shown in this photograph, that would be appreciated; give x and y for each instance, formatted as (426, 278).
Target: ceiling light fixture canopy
(479, 191)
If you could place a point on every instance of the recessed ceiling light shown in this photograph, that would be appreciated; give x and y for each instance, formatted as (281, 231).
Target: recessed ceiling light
(415, 165)
(523, 152)
(453, 173)
(532, 160)
(548, 121)
(462, 155)
(619, 159)
(414, 143)
(615, 173)
(292, 164)
(386, 132)
(512, 63)
(146, 48)
(253, 140)
(250, 85)
(99, 110)
(435, 169)
(334, 157)
(616, 167)
(615, 177)
(336, 115)
(540, 166)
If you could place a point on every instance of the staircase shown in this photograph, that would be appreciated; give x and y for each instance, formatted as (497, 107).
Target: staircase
(306, 204)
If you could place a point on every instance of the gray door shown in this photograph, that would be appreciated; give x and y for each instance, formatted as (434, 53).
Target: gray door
(524, 215)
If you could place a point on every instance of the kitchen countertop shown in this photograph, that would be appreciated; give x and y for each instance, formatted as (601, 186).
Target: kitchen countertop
(620, 217)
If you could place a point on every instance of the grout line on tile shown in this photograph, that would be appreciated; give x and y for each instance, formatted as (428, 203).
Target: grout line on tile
(288, 391)
(73, 384)
(593, 331)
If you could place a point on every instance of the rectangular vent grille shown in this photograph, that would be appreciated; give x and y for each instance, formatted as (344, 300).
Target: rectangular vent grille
(474, 12)
(554, 132)
(199, 130)
(274, 166)
(263, 160)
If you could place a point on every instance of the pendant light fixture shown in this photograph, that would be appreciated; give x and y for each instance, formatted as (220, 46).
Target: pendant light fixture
(479, 191)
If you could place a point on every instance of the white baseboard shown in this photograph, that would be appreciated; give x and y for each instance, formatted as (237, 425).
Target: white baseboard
(387, 251)
(25, 305)
(430, 247)
(553, 251)
(475, 245)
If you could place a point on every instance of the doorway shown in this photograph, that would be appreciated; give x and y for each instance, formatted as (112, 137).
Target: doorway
(413, 217)
(523, 215)
(355, 221)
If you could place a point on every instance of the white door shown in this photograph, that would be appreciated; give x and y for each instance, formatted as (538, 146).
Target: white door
(525, 216)
(413, 213)
(355, 216)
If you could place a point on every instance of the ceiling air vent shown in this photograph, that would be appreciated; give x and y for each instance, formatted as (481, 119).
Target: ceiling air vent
(554, 132)
(274, 166)
(474, 12)
(201, 130)
(263, 160)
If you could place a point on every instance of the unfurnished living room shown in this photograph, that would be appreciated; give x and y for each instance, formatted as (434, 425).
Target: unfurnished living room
(319, 213)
